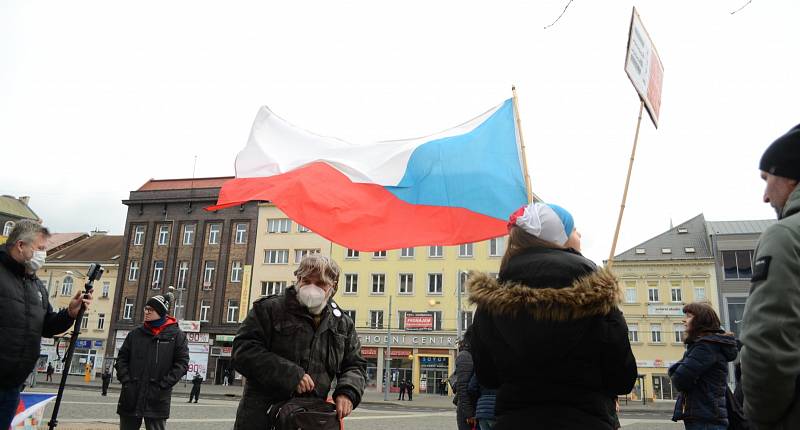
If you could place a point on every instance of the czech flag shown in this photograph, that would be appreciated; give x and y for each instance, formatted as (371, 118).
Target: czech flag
(31, 407)
(457, 186)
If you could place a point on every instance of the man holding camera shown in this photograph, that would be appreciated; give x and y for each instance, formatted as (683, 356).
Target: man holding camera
(25, 312)
(295, 344)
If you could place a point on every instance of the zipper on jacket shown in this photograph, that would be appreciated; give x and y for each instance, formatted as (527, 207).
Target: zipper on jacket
(157, 342)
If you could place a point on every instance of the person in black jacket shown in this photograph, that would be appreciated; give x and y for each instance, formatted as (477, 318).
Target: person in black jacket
(296, 344)
(548, 334)
(152, 359)
(197, 382)
(106, 377)
(402, 386)
(465, 403)
(25, 312)
(701, 376)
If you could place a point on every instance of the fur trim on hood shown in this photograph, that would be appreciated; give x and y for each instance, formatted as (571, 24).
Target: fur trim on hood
(594, 294)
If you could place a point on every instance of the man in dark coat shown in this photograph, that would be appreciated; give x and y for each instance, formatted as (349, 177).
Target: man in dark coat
(296, 344)
(50, 371)
(152, 360)
(402, 385)
(465, 404)
(410, 390)
(197, 382)
(25, 312)
(106, 376)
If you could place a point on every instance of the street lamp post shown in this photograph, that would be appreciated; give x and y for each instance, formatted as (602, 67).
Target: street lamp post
(388, 358)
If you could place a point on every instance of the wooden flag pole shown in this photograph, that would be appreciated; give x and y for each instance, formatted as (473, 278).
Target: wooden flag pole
(625, 193)
(528, 191)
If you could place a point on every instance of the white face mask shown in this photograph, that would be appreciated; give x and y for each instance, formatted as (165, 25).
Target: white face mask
(312, 297)
(37, 261)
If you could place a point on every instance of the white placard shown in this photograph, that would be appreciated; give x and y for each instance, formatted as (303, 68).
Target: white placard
(644, 68)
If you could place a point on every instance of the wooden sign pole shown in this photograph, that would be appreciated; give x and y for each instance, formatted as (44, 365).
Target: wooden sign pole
(528, 191)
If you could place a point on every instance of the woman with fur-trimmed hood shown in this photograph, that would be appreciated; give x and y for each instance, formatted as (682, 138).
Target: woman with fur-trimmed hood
(547, 333)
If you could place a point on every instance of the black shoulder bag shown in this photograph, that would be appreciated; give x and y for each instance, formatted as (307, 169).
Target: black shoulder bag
(303, 413)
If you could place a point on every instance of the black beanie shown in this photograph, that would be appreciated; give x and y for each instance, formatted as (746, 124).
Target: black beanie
(782, 158)
(160, 304)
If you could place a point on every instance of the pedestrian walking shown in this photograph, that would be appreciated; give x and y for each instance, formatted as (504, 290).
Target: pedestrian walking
(701, 376)
(484, 416)
(402, 386)
(226, 375)
(106, 377)
(50, 371)
(548, 333)
(410, 390)
(465, 403)
(26, 312)
(296, 343)
(770, 356)
(152, 359)
(197, 382)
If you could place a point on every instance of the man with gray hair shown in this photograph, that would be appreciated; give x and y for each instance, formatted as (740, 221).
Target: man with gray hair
(295, 344)
(25, 312)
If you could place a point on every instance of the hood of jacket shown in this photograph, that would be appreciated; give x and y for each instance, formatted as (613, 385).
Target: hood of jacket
(792, 203)
(13, 265)
(594, 294)
(725, 343)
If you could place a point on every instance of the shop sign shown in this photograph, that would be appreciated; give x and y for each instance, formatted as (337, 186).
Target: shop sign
(189, 326)
(418, 321)
(47, 341)
(369, 352)
(198, 362)
(444, 341)
(657, 363)
(83, 343)
(198, 348)
(197, 337)
(401, 353)
(121, 334)
(224, 337)
(98, 344)
(665, 310)
(436, 362)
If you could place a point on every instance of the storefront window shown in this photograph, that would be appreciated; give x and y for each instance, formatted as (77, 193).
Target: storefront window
(433, 372)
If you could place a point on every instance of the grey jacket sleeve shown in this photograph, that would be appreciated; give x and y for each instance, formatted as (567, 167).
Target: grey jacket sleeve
(771, 328)
(352, 374)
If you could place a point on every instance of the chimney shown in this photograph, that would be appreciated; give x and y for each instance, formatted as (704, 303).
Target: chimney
(97, 232)
(24, 199)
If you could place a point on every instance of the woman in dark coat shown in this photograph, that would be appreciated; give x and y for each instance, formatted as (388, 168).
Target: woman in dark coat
(547, 333)
(701, 375)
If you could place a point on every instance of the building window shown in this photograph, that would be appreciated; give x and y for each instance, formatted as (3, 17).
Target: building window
(666, 250)
(689, 250)
(133, 272)
(205, 309)
(676, 294)
(379, 254)
(434, 283)
(630, 294)
(652, 294)
(466, 319)
(106, 289)
(302, 229)
(641, 251)
(213, 234)
(351, 253)
(737, 264)
(300, 253)
(183, 273)
(462, 282)
(158, 270)
(138, 235)
(351, 314)
(276, 256)
(655, 333)
(351, 283)
(85, 322)
(407, 253)
(699, 290)
(278, 225)
(241, 233)
(497, 246)
(435, 251)
(208, 274)
(271, 288)
(233, 311)
(188, 234)
(375, 319)
(236, 271)
(465, 250)
(680, 331)
(378, 283)
(683, 230)
(437, 319)
(101, 321)
(406, 283)
(9, 225)
(633, 332)
(128, 312)
(66, 286)
(401, 319)
(163, 234)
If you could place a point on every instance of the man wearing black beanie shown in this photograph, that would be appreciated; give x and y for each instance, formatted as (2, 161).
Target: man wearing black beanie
(151, 361)
(770, 356)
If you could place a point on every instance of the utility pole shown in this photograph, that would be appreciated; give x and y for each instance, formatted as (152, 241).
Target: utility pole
(459, 285)
(388, 358)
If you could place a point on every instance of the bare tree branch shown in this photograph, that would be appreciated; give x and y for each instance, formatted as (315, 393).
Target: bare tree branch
(743, 6)
(559, 17)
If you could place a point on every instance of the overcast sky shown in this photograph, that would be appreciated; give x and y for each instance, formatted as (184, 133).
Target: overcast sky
(97, 97)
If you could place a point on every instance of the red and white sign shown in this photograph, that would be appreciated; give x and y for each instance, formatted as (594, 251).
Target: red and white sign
(189, 326)
(369, 352)
(421, 321)
(404, 353)
(198, 360)
(644, 67)
(197, 338)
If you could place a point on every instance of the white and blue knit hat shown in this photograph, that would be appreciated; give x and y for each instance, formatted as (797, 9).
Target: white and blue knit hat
(544, 220)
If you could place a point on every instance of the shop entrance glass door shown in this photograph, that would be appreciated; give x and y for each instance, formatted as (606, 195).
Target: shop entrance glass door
(662, 387)
(433, 381)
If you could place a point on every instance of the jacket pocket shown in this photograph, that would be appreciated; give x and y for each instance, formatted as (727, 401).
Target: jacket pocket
(128, 396)
(336, 345)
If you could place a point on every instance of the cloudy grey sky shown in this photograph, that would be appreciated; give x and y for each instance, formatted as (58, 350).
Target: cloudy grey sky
(97, 97)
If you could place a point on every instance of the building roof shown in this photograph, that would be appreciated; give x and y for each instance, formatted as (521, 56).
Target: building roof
(58, 241)
(679, 240)
(756, 226)
(96, 248)
(184, 184)
(13, 206)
